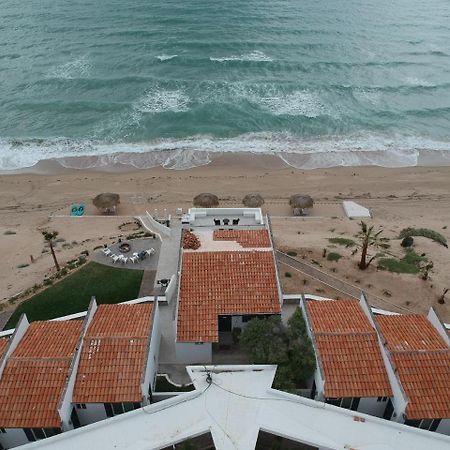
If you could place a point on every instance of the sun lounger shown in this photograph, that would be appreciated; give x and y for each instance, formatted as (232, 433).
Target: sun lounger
(133, 259)
(115, 258)
(150, 251)
(106, 251)
(124, 259)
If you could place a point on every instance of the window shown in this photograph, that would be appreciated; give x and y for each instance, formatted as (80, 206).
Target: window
(81, 406)
(424, 424)
(34, 434)
(346, 402)
(334, 401)
(382, 399)
(114, 409)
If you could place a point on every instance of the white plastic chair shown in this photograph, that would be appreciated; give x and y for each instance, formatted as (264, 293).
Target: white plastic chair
(115, 258)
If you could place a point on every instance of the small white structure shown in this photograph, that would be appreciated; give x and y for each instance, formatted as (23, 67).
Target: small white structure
(236, 405)
(354, 211)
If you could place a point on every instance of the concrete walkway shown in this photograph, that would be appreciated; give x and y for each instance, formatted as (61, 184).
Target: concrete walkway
(147, 283)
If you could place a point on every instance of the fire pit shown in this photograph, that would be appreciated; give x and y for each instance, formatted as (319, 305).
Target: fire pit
(124, 247)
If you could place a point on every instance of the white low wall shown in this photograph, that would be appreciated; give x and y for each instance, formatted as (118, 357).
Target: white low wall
(201, 213)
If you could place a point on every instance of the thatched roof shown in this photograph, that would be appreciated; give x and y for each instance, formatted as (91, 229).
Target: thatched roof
(301, 201)
(106, 200)
(253, 200)
(206, 200)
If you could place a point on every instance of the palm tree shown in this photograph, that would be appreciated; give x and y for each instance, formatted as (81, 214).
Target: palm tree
(368, 238)
(49, 237)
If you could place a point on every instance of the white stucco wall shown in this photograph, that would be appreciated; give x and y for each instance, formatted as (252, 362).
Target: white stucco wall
(370, 405)
(153, 356)
(444, 427)
(13, 437)
(94, 412)
(193, 353)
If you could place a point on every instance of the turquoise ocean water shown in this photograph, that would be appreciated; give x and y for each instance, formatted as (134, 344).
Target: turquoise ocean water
(322, 82)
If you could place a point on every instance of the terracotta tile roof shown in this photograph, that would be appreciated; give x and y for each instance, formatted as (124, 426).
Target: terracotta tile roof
(3, 344)
(410, 332)
(338, 316)
(35, 375)
(113, 359)
(215, 283)
(246, 238)
(348, 350)
(422, 360)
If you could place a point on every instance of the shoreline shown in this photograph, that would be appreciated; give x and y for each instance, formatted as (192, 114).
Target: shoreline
(123, 162)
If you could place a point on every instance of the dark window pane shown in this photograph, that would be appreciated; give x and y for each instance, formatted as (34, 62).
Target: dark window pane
(355, 404)
(39, 433)
(137, 405)
(334, 401)
(128, 407)
(346, 402)
(108, 409)
(435, 424)
(117, 408)
(413, 423)
(29, 434)
(426, 424)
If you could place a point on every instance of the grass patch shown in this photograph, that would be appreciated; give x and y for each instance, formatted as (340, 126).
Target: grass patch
(410, 263)
(342, 241)
(425, 232)
(73, 294)
(332, 256)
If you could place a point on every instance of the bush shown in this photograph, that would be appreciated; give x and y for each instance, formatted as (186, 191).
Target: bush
(21, 266)
(291, 253)
(410, 263)
(268, 341)
(9, 232)
(288, 274)
(342, 241)
(334, 257)
(408, 241)
(425, 232)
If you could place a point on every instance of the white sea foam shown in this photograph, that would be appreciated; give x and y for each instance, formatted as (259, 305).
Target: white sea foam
(166, 57)
(297, 103)
(252, 56)
(157, 100)
(397, 151)
(77, 68)
(414, 81)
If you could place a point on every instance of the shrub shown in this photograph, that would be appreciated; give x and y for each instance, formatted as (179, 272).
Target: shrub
(425, 232)
(408, 241)
(9, 232)
(288, 274)
(334, 257)
(21, 266)
(342, 241)
(291, 253)
(48, 282)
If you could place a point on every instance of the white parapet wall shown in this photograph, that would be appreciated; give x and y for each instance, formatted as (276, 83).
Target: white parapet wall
(152, 225)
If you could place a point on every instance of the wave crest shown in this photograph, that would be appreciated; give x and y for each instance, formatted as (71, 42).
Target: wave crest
(252, 56)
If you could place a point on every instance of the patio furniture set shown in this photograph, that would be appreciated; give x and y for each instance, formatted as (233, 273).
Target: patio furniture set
(226, 222)
(137, 256)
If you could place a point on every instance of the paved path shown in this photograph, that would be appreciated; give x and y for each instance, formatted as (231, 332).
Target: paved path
(147, 283)
(4, 317)
(335, 283)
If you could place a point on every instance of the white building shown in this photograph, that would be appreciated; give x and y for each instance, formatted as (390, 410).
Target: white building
(118, 362)
(36, 371)
(58, 375)
(350, 370)
(236, 408)
(228, 275)
(417, 353)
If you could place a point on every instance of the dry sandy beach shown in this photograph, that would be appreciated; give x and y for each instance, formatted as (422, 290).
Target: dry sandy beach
(398, 198)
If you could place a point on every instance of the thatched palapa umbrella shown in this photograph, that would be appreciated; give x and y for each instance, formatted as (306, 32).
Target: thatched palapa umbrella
(206, 200)
(106, 202)
(300, 202)
(253, 200)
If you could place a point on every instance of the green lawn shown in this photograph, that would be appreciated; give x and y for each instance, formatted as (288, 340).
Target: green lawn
(73, 294)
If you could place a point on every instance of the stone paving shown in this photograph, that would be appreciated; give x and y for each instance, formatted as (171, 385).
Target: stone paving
(137, 245)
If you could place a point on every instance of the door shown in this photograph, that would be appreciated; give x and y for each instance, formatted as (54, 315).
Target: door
(389, 410)
(224, 323)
